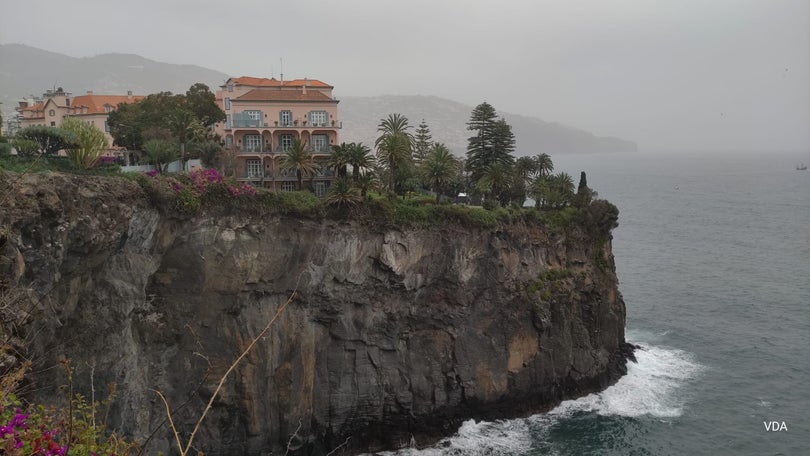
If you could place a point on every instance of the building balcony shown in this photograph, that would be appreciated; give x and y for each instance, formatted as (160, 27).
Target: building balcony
(296, 125)
(284, 176)
(279, 150)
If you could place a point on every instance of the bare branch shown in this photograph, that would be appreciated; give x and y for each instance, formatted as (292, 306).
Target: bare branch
(345, 442)
(236, 362)
(289, 442)
(171, 423)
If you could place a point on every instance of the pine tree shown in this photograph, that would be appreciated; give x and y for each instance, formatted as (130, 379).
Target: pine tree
(423, 142)
(492, 144)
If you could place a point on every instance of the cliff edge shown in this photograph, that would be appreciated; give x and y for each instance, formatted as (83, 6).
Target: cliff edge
(393, 334)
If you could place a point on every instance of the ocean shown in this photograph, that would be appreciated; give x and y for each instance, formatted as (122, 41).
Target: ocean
(713, 258)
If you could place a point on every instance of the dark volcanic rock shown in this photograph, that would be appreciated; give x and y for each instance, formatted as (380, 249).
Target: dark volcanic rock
(392, 333)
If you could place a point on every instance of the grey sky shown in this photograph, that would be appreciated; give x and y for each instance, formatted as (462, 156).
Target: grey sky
(679, 74)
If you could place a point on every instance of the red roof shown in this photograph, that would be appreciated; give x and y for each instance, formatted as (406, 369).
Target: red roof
(36, 107)
(273, 82)
(95, 103)
(284, 95)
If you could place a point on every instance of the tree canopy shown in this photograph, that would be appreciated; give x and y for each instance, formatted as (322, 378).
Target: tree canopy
(49, 140)
(185, 117)
(492, 144)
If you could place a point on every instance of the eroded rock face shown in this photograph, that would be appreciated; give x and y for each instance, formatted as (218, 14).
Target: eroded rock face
(391, 334)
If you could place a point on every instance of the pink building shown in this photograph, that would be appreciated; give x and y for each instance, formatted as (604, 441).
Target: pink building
(57, 105)
(264, 116)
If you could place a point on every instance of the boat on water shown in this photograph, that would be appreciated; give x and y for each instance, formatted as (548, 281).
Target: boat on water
(801, 167)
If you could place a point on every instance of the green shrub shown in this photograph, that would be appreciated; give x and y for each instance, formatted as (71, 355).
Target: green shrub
(548, 282)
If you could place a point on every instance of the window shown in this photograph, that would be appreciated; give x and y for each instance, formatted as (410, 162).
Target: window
(107, 108)
(230, 87)
(227, 121)
(228, 140)
(254, 115)
(254, 168)
(285, 142)
(317, 118)
(285, 118)
(227, 104)
(51, 113)
(253, 143)
(53, 124)
(320, 143)
(106, 127)
(320, 188)
(288, 186)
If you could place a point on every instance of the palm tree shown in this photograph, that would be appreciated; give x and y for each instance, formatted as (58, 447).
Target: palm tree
(339, 159)
(366, 182)
(342, 194)
(553, 191)
(526, 168)
(159, 152)
(359, 156)
(392, 151)
(394, 145)
(562, 186)
(495, 181)
(394, 124)
(185, 127)
(544, 164)
(439, 168)
(299, 158)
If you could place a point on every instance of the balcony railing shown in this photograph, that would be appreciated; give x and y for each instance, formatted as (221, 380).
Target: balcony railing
(254, 150)
(280, 150)
(246, 122)
(285, 175)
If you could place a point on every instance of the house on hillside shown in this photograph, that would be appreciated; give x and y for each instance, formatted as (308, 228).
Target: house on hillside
(264, 116)
(57, 105)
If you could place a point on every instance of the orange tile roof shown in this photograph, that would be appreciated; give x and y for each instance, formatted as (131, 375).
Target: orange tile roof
(36, 107)
(95, 103)
(273, 82)
(284, 95)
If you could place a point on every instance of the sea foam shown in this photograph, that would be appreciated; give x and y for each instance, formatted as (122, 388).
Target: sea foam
(652, 387)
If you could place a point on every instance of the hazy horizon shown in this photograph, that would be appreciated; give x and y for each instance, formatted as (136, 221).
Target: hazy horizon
(689, 75)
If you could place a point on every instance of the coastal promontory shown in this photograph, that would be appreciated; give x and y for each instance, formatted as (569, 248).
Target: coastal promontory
(395, 334)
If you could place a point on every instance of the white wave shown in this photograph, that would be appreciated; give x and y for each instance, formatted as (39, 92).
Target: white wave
(651, 387)
(507, 437)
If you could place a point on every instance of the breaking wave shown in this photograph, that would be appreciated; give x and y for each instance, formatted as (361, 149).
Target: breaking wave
(652, 387)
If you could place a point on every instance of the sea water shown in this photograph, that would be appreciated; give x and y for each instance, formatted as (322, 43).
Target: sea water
(713, 258)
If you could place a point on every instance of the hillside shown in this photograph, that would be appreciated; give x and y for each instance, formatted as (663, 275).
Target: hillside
(448, 123)
(26, 70)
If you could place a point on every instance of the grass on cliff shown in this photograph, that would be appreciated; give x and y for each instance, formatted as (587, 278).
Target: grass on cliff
(180, 196)
(187, 195)
(56, 164)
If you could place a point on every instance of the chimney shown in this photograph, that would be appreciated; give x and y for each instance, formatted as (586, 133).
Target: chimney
(89, 92)
(129, 94)
(304, 87)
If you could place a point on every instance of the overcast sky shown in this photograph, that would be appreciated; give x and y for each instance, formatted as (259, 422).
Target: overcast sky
(675, 75)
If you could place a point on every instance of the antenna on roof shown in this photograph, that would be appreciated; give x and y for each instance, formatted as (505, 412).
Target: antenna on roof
(281, 62)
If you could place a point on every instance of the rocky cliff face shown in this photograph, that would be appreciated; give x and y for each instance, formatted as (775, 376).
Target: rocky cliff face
(392, 333)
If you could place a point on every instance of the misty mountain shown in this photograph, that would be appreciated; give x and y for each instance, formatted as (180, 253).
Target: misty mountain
(25, 70)
(448, 124)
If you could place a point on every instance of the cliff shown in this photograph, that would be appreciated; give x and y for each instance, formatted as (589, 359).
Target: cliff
(393, 333)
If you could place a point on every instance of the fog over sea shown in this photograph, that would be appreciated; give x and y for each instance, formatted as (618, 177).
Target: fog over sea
(713, 259)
